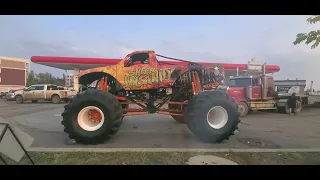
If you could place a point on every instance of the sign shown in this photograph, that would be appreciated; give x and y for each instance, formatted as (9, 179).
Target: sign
(283, 89)
(254, 65)
(146, 76)
(9, 145)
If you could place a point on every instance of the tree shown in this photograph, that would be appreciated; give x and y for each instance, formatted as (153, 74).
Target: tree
(44, 78)
(312, 36)
(31, 79)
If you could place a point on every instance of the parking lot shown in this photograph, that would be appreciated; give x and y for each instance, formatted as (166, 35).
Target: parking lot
(257, 130)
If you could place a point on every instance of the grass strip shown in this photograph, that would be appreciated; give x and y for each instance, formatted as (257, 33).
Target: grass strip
(165, 158)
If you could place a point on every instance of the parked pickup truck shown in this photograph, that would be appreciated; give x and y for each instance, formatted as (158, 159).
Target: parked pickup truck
(37, 92)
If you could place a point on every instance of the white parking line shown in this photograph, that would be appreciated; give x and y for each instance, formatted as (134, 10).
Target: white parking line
(39, 149)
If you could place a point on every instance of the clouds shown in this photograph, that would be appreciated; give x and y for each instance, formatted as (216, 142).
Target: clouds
(234, 39)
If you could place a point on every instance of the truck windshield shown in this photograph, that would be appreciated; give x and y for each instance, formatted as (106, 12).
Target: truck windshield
(239, 82)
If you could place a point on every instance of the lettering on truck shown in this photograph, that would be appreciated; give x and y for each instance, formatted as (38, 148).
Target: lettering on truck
(146, 76)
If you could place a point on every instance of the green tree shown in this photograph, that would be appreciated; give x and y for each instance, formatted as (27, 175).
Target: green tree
(312, 36)
(32, 78)
(44, 78)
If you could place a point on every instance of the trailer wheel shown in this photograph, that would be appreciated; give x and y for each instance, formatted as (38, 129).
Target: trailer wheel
(212, 116)
(92, 117)
(299, 107)
(286, 109)
(243, 109)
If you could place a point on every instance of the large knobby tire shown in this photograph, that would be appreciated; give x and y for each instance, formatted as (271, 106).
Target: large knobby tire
(243, 109)
(55, 99)
(179, 119)
(105, 103)
(217, 127)
(19, 99)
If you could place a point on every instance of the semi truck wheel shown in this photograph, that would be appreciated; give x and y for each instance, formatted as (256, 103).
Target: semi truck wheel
(212, 116)
(243, 109)
(92, 117)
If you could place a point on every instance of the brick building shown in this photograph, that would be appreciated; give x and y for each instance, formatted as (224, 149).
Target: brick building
(13, 73)
(69, 80)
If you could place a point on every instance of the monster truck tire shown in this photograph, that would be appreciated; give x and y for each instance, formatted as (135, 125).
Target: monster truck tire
(106, 104)
(243, 109)
(19, 99)
(179, 119)
(212, 116)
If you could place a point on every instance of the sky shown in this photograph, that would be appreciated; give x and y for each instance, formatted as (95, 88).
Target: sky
(233, 39)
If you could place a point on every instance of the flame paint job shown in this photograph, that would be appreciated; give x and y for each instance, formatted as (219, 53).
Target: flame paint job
(142, 76)
(65, 62)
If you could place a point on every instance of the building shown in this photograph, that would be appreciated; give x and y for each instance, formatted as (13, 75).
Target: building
(297, 86)
(13, 73)
(69, 80)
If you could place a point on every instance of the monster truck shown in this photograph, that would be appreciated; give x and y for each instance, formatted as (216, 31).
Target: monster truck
(94, 115)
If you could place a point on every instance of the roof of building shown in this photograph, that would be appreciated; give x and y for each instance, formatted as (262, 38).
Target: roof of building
(14, 59)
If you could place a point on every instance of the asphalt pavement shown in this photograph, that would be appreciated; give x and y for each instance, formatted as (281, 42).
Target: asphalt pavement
(268, 130)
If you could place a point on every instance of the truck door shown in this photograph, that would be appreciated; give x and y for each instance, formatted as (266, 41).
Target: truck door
(28, 93)
(38, 92)
(50, 90)
(140, 71)
(256, 88)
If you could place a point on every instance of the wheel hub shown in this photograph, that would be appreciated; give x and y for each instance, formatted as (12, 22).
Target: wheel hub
(90, 118)
(241, 108)
(95, 115)
(217, 117)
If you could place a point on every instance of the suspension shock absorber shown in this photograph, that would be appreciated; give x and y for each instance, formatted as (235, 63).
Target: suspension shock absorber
(103, 84)
(196, 85)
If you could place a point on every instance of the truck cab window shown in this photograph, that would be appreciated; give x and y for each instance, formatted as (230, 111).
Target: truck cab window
(51, 87)
(240, 82)
(39, 87)
(142, 58)
(256, 82)
(31, 88)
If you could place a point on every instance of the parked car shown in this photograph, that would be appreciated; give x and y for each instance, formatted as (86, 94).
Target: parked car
(10, 95)
(3, 95)
(49, 92)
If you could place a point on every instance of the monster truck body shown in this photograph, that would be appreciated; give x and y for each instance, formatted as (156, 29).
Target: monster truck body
(94, 115)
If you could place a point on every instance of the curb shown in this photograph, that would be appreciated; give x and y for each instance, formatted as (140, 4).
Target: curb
(40, 149)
